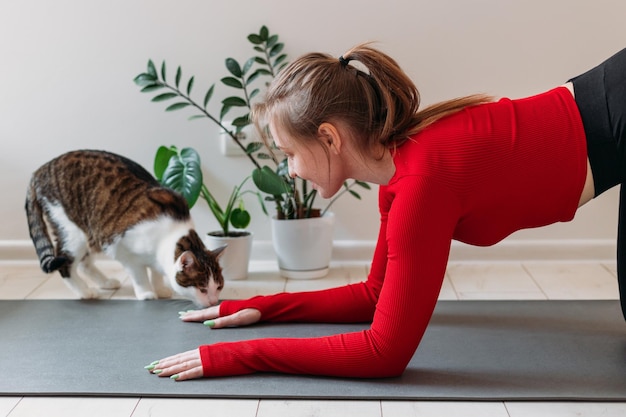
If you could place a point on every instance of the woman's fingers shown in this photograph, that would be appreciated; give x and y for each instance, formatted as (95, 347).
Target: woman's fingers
(200, 315)
(211, 317)
(186, 365)
(243, 317)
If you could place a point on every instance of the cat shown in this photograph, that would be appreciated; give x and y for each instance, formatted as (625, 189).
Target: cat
(87, 202)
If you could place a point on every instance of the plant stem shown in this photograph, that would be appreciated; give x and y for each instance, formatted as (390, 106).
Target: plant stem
(216, 121)
(269, 60)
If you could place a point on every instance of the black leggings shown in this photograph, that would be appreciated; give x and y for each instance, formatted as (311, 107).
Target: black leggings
(601, 99)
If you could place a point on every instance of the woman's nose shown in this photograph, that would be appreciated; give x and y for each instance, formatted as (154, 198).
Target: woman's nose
(292, 173)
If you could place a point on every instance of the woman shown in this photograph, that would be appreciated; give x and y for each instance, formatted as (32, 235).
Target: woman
(470, 169)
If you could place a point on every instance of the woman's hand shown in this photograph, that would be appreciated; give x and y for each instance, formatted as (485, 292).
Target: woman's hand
(186, 365)
(211, 317)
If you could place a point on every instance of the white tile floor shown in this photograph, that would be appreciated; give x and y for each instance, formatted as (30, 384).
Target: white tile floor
(528, 280)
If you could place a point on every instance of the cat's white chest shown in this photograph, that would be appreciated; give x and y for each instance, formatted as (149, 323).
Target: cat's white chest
(151, 242)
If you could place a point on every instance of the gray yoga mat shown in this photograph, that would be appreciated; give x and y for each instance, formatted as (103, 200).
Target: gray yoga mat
(472, 350)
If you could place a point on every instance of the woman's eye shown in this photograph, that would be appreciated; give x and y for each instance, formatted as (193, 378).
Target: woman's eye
(204, 291)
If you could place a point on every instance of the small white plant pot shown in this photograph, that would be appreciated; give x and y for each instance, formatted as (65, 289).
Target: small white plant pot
(303, 246)
(236, 257)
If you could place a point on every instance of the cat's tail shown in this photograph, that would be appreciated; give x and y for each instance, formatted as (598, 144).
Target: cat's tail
(48, 261)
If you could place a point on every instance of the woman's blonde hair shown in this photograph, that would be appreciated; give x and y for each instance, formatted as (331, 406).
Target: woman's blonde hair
(379, 104)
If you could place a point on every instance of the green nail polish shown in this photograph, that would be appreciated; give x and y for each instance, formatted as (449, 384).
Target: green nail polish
(157, 371)
(175, 377)
(209, 323)
(154, 363)
(149, 367)
(180, 313)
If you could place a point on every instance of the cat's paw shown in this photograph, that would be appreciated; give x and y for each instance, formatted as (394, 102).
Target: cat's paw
(110, 284)
(164, 292)
(89, 293)
(146, 295)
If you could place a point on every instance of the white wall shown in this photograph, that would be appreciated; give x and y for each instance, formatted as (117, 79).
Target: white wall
(67, 67)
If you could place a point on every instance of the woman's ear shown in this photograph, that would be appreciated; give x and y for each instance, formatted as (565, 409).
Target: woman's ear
(329, 136)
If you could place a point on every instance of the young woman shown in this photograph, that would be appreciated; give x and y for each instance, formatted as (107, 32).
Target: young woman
(470, 169)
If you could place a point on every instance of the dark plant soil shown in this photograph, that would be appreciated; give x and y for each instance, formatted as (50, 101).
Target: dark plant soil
(230, 234)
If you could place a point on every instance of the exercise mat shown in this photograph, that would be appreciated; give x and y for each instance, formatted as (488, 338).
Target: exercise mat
(472, 350)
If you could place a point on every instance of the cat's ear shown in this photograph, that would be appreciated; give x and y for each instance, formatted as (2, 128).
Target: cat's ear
(184, 261)
(218, 252)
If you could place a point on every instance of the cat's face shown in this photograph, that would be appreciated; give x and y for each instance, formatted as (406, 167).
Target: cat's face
(199, 276)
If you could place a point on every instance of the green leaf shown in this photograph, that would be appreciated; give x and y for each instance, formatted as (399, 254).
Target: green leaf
(253, 147)
(283, 168)
(177, 106)
(161, 159)
(197, 116)
(190, 85)
(263, 71)
(232, 82)
(163, 71)
(355, 194)
(164, 96)
(239, 218)
(184, 174)
(259, 49)
(272, 41)
(308, 198)
(261, 203)
(247, 65)
(152, 69)
(255, 39)
(264, 33)
(363, 184)
(254, 92)
(151, 87)
(280, 59)
(269, 182)
(215, 208)
(144, 79)
(224, 111)
(233, 67)
(179, 74)
(276, 49)
(254, 76)
(242, 121)
(234, 102)
(208, 95)
(260, 60)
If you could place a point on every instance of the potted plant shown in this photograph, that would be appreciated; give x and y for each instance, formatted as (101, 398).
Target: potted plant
(302, 234)
(181, 170)
(292, 198)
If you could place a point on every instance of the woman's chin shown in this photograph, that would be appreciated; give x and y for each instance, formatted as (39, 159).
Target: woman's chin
(324, 193)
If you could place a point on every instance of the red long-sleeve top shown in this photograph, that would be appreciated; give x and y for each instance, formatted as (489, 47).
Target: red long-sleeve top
(475, 176)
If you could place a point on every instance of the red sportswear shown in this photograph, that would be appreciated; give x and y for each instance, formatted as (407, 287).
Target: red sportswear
(475, 176)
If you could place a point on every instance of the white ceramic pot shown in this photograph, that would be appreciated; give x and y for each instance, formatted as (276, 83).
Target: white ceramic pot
(236, 257)
(303, 246)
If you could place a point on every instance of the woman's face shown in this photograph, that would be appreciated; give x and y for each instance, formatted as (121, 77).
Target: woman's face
(315, 162)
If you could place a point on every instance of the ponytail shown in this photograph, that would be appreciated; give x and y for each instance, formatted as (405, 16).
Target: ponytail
(378, 103)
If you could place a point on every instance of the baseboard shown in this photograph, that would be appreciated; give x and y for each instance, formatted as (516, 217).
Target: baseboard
(362, 251)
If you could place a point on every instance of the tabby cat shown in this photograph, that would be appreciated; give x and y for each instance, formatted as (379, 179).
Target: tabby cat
(87, 202)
